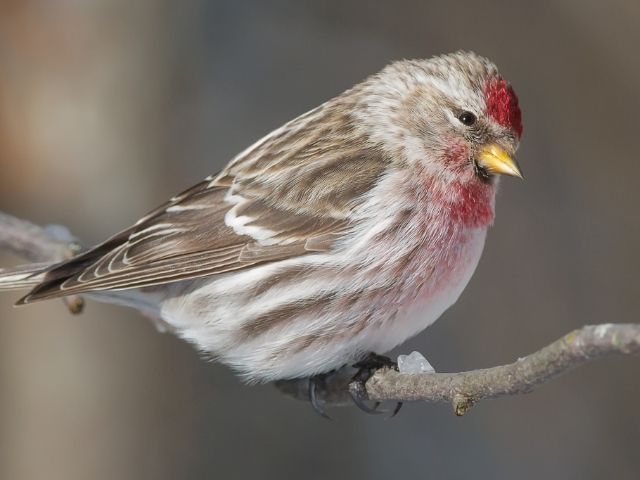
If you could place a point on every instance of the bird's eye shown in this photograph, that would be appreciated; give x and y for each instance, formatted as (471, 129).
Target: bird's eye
(467, 118)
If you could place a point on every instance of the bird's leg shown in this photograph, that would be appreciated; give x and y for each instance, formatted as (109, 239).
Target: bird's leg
(366, 368)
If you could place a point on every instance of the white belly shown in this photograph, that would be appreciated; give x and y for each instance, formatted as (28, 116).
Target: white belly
(433, 297)
(427, 290)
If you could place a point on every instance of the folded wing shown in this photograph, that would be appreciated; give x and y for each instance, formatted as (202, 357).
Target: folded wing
(290, 194)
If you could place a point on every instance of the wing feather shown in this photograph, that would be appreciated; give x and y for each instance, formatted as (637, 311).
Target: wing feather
(290, 194)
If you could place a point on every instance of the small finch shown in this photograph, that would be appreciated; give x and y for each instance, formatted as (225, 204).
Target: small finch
(345, 231)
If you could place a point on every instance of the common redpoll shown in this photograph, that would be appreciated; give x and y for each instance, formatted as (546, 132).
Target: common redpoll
(346, 231)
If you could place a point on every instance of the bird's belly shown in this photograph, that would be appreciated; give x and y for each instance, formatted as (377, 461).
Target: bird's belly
(428, 294)
(223, 319)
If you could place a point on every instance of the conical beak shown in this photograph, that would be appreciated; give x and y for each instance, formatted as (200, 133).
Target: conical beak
(494, 159)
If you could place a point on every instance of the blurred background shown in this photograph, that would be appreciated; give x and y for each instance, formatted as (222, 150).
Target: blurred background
(109, 107)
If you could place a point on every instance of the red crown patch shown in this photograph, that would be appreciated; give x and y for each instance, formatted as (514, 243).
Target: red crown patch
(502, 105)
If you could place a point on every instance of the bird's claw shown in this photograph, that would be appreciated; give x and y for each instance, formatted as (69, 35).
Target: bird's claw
(317, 404)
(367, 367)
(357, 389)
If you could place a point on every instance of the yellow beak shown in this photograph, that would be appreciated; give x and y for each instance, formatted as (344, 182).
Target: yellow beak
(495, 160)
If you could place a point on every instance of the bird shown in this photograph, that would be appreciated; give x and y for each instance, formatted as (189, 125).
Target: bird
(346, 231)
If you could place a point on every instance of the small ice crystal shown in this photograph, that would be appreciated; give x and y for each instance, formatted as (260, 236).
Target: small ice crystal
(414, 363)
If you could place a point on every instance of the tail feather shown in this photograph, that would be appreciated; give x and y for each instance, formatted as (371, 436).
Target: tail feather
(23, 276)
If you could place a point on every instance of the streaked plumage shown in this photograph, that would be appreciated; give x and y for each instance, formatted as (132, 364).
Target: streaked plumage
(347, 230)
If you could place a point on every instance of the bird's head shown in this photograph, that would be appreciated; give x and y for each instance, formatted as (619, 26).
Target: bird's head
(454, 115)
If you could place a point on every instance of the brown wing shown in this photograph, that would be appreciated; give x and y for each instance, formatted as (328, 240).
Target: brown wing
(290, 194)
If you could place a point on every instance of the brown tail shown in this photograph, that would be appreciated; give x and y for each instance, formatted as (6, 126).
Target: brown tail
(24, 276)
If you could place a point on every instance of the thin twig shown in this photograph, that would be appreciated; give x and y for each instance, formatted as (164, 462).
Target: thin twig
(53, 243)
(462, 389)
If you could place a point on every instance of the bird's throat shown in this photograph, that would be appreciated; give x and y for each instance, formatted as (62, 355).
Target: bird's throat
(472, 203)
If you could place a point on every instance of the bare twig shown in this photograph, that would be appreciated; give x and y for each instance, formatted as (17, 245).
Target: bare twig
(53, 243)
(462, 389)
(34, 243)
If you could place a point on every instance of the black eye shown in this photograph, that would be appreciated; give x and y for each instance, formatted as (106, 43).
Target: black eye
(467, 118)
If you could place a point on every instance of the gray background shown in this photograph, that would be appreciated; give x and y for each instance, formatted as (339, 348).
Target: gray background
(107, 108)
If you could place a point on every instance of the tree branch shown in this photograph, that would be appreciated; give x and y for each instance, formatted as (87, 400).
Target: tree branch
(53, 243)
(462, 389)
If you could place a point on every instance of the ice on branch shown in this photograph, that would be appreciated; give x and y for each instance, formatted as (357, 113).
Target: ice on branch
(414, 363)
